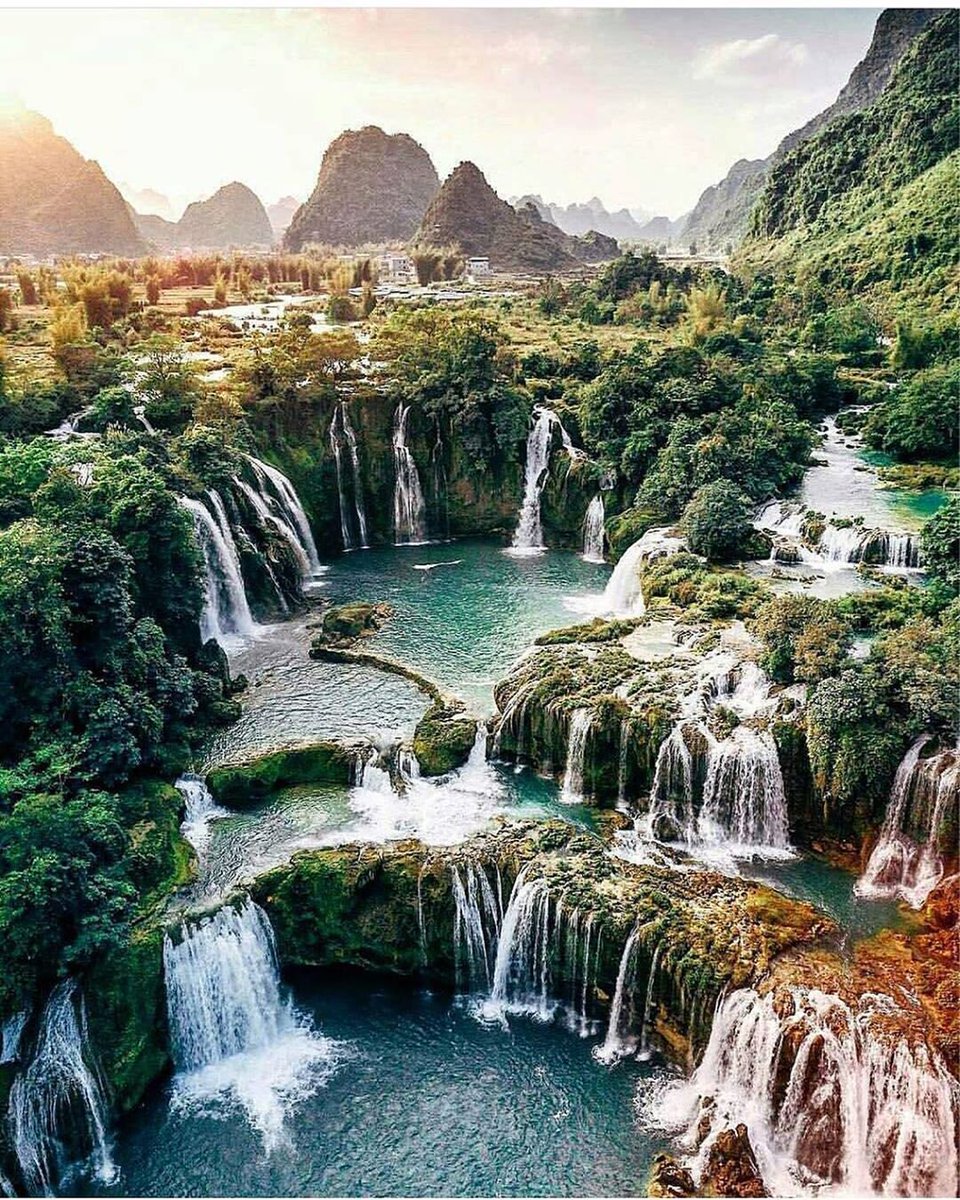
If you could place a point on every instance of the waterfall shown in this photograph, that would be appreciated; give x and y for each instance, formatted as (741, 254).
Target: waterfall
(441, 499)
(342, 435)
(593, 531)
(226, 613)
(57, 1103)
(200, 809)
(617, 1043)
(743, 794)
(578, 730)
(906, 863)
(234, 1035)
(287, 513)
(841, 545)
(900, 551)
(514, 711)
(828, 1094)
(580, 941)
(623, 596)
(521, 971)
(644, 1052)
(476, 928)
(672, 783)
(11, 1035)
(409, 520)
(528, 538)
(623, 761)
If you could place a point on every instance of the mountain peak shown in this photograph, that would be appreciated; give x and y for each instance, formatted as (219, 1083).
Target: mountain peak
(373, 187)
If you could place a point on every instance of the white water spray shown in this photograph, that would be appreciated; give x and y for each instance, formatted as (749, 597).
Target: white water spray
(409, 518)
(593, 531)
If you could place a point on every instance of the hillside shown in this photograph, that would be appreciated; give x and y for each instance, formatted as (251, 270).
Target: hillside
(373, 187)
(869, 203)
(467, 212)
(232, 216)
(54, 201)
(722, 214)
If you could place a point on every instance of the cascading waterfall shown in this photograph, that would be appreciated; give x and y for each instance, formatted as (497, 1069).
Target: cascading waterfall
(200, 809)
(578, 731)
(623, 595)
(906, 863)
(57, 1104)
(11, 1035)
(342, 436)
(829, 1096)
(226, 612)
(521, 972)
(233, 1033)
(743, 794)
(441, 498)
(593, 531)
(528, 538)
(618, 1043)
(623, 760)
(288, 514)
(409, 517)
(476, 927)
(645, 1020)
(838, 545)
(671, 794)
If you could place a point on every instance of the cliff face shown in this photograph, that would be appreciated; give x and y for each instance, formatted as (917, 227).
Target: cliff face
(467, 212)
(373, 187)
(722, 214)
(54, 201)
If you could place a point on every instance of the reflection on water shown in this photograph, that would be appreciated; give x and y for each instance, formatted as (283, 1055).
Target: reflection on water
(430, 1102)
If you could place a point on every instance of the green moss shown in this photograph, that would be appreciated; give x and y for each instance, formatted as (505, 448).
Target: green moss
(247, 783)
(443, 739)
(345, 623)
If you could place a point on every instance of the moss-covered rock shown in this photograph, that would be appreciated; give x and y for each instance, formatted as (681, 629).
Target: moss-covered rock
(246, 783)
(344, 624)
(443, 739)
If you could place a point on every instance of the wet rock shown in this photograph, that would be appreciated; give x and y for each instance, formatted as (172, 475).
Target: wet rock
(669, 1178)
(731, 1168)
(345, 624)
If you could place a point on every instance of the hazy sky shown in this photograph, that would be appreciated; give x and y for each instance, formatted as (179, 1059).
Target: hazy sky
(642, 107)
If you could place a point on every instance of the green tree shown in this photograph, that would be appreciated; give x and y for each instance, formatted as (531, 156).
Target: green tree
(717, 521)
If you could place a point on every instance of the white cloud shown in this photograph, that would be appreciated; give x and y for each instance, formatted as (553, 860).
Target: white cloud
(535, 50)
(749, 60)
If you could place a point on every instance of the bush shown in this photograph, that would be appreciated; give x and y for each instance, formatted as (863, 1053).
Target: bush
(717, 521)
(941, 545)
(804, 639)
(920, 418)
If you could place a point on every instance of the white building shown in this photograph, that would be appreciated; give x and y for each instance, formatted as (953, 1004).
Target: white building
(395, 268)
(474, 268)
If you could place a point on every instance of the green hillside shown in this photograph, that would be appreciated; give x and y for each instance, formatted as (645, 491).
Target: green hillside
(868, 206)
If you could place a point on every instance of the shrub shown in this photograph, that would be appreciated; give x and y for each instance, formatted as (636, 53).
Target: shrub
(717, 521)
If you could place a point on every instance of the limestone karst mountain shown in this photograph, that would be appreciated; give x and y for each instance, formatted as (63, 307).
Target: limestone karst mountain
(722, 214)
(467, 212)
(281, 214)
(578, 219)
(232, 216)
(373, 187)
(54, 201)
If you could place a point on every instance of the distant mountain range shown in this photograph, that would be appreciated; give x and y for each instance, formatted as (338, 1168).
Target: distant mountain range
(232, 216)
(467, 212)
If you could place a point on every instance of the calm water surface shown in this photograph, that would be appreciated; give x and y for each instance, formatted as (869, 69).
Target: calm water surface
(423, 1100)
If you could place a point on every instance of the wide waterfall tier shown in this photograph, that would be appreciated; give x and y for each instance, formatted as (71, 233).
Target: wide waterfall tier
(803, 536)
(235, 1036)
(528, 537)
(353, 517)
(829, 1095)
(276, 501)
(721, 793)
(57, 1107)
(226, 611)
(919, 828)
(593, 531)
(544, 958)
(409, 510)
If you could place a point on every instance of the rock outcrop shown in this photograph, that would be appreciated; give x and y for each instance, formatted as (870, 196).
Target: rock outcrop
(722, 214)
(54, 201)
(468, 213)
(372, 188)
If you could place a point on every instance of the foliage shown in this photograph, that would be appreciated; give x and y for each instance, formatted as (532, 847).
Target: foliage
(941, 545)
(804, 639)
(717, 521)
(703, 594)
(920, 420)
